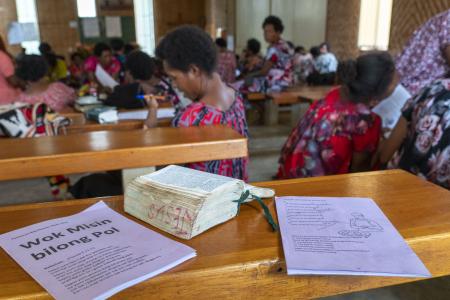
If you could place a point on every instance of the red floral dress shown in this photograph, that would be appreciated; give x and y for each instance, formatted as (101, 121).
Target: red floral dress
(325, 139)
(200, 114)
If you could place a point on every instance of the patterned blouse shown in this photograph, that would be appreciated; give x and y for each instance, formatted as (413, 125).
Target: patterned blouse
(426, 149)
(325, 139)
(200, 114)
(91, 64)
(280, 76)
(422, 60)
(57, 96)
(226, 66)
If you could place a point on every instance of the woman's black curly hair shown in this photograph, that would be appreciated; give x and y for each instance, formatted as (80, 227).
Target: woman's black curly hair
(140, 65)
(31, 68)
(367, 77)
(186, 46)
(275, 22)
(100, 48)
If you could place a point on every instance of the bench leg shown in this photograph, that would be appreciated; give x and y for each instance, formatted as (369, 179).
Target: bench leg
(298, 110)
(270, 112)
(129, 175)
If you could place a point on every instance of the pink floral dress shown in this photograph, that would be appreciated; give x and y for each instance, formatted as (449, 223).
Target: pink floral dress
(426, 150)
(57, 96)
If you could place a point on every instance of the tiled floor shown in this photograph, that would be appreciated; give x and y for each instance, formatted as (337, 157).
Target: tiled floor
(264, 146)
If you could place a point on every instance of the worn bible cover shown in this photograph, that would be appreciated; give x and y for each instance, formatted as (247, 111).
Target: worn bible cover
(186, 202)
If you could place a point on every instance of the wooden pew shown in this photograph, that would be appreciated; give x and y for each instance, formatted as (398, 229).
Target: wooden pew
(243, 258)
(111, 150)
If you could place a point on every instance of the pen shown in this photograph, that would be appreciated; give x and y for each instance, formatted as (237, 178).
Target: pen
(145, 98)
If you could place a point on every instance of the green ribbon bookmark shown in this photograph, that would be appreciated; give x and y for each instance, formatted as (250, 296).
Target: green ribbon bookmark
(266, 210)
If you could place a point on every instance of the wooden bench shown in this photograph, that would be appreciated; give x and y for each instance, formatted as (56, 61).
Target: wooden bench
(243, 258)
(111, 150)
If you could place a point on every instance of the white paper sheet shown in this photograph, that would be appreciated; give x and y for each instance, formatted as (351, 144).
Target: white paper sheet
(113, 27)
(104, 78)
(162, 113)
(343, 236)
(390, 109)
(93, 254)
(91, 29)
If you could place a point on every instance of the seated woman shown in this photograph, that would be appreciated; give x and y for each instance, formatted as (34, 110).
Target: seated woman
(339, 133)
(8, 82)
(252, 60)
(226, 62)
(189, 57)
(57, 65)
(32, 69)
(76, 70)
(421, 138)
(325, 66)
(102, 56)
(140, 72)
(303, 64)
(277, 70)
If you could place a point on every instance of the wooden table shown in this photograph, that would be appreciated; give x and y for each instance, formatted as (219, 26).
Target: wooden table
(299, 98)
(80, 124)
(243, 258)
(111, 150)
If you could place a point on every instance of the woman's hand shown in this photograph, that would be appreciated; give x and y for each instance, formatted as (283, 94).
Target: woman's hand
(152, 103)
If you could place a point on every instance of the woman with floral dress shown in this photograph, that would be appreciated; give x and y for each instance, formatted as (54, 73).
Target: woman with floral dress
(277, 71)
(339, 133)
(189, 57)
(422, 135)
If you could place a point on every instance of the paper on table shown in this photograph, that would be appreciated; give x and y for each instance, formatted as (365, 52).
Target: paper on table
(390, 109)
(113, 26)
(93, 254)
(162, 113)
(104, 78)
(343, 236)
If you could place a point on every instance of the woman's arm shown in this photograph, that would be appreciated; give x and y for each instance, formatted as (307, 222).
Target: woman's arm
(393, 143)
(360, 162)
(263, 71)
(152, 119)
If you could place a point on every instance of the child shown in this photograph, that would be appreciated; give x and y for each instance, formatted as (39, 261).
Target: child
(339, 134)
(252, 60)
(189, 57)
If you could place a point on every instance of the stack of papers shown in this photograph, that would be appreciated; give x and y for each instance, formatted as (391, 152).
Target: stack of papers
(142, 114)
(93, 254)
(343, 236)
